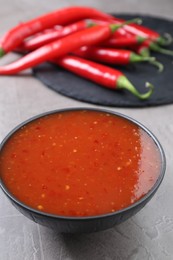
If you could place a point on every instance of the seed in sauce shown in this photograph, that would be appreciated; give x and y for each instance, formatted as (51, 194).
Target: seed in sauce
(40, 207)
(67, 187)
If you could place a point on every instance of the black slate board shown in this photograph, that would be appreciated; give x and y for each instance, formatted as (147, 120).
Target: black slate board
(78, 88)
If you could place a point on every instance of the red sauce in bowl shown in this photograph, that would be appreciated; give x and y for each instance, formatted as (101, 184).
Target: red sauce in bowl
(79, 163)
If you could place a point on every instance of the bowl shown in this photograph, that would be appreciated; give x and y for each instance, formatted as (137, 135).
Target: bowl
(66, 224)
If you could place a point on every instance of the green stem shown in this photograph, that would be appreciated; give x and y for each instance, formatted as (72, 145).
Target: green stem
(157, 48)
(158, 64)
(115, 27)
(2, 52)
(134, 58)
(144, 52)
(140, 39)
(138, 58)
(165, 40)
(124, 83)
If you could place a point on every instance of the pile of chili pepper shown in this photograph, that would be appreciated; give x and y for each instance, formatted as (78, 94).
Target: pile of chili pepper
(80, 38)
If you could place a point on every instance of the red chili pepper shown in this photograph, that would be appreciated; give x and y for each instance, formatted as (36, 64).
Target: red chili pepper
(88, 36)
(110, 56)
(114, 56)
(121, 42)
(145, 32)
(16, 35)
(118, 40)
(137, 30)
(54, 34)
(102, 75)
(57, 33)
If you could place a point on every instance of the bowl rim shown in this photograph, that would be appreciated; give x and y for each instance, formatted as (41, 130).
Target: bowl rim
(86, 218)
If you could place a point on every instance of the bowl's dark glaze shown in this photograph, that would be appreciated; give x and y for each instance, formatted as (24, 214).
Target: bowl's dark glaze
(85, 224)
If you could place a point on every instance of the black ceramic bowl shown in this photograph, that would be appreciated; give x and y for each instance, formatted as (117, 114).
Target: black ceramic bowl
(64, 224)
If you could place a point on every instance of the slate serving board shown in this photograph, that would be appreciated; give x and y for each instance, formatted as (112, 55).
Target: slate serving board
(81, 89)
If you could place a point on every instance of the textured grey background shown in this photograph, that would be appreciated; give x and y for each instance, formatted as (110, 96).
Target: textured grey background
(148, 235)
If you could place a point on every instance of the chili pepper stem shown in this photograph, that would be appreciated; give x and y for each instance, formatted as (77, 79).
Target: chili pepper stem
(137, 58)
(155, 47)
(2, 52)
(115, 27)
(158, 64)
(145, 52)
(124, 83)
(134, 58)
(166, 40)
(140, 39)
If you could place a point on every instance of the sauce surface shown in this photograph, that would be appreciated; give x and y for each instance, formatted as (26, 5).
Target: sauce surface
(79, 163)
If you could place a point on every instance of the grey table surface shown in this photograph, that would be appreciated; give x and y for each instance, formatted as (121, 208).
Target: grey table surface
(149, 234)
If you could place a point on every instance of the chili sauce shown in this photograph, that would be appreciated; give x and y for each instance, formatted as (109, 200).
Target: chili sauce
(79, 163)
